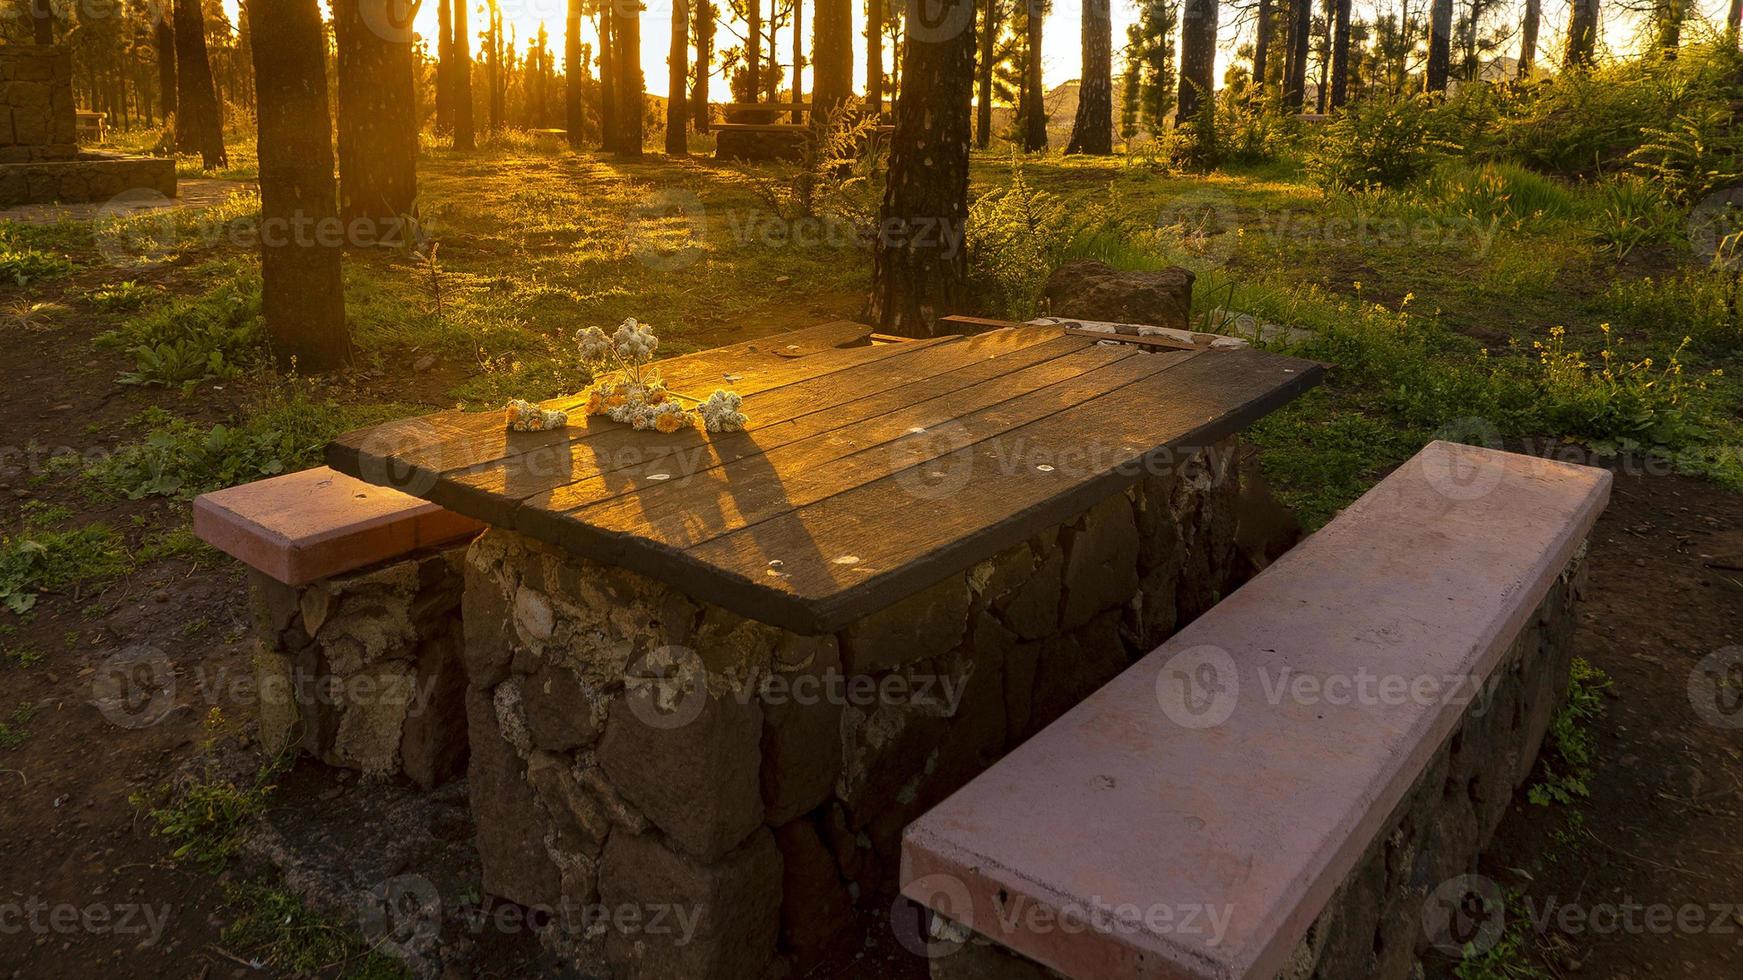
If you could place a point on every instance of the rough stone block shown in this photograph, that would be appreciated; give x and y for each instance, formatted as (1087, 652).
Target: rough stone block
(693, 774)
(925, 624)
(815, 904)
(717, 921)
(1101, 561)
(507, 813)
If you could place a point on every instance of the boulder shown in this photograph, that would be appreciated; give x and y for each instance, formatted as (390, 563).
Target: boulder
(1089, 290)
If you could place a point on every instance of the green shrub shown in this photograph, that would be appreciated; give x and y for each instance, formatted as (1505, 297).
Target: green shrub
(24, 264)
(1378, 142)
(192, 339)
(1014, 234)
(1698, 152)
(1497, 192)
(1703, 303)
(1615, 400)
(1634, 212)
(123, 297)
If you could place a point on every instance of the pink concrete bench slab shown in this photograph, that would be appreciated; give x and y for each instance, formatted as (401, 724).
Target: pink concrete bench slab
(305, 526)
(1244, 809)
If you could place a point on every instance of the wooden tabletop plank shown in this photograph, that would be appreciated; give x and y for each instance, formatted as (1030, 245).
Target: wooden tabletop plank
(803, 412)
(415, 455)
(408, 449)
(539, 470)
(905, 538)
(682, 514)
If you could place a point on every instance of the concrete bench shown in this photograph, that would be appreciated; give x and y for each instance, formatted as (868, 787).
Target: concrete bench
(355, 593)
(1290, 784)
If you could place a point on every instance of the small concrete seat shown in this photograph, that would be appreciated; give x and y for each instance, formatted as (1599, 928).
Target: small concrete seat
(355, 593)
(314, 524)
(1197, 815)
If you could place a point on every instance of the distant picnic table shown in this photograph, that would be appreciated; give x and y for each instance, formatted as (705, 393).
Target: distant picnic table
(870, 468)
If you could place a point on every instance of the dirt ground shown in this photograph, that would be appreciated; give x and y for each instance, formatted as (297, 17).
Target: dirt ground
(86, 890)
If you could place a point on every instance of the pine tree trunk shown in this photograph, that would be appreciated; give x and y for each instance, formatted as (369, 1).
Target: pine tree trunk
(874, 55)
(677, 110)
(444, 67)
(164, 36)
(302, 294)
(199, 127)
(461, 80)
(377, 115)
(1528, 37)
(573, 118)
(1340, 54)
(1262, 42)
(1034, 87)
(1440, 15)
(798, 86)
(608, 134)
(1197, 57)
(771, 80)
(1734, 22)
(42, 21)
(630, 87)
(1671, 14)
(832, 56)
(1582, 34)
(919, 267)
(704, 63)
(1295, 68)
(1092, 131)
(989, 35)
(493, 70)
(754, 60)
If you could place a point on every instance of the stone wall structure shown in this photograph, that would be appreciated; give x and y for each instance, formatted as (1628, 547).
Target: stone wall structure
(40, 161)
(364, 670)
(669, 762)
(1389, 919)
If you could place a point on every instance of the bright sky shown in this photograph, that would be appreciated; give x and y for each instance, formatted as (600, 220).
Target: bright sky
(1060, 46)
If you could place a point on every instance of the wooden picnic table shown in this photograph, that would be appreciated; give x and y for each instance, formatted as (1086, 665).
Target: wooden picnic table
(868, 471)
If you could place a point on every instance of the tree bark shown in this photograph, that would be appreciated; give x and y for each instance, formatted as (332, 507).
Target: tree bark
(798, 86)
(754, 57)
(630, 85)
(772, 79)
(1528, 37)
(1093, 130)
(1671, 14)
(1439, 65)
(377, 115)
(1340, 54)
(1582, 34)
(574, 119)
(461, 80)
(608, 132)
(493, 73)
(1735, 20)
(678, 76)
(1262, 41)
(989, 35)
(832, 55)
(1295, 68)
(444, 67)
(1034, 87)
(1197, 57)
(874, 55)
(919, 267)
(42, 21)
(704, 62)
(164, 36)
(302, 294)
(199, 127)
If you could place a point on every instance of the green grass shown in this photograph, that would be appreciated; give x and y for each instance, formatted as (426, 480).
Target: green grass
(12, 732)
(45, 555)
(1567, 768)
(271, 927)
